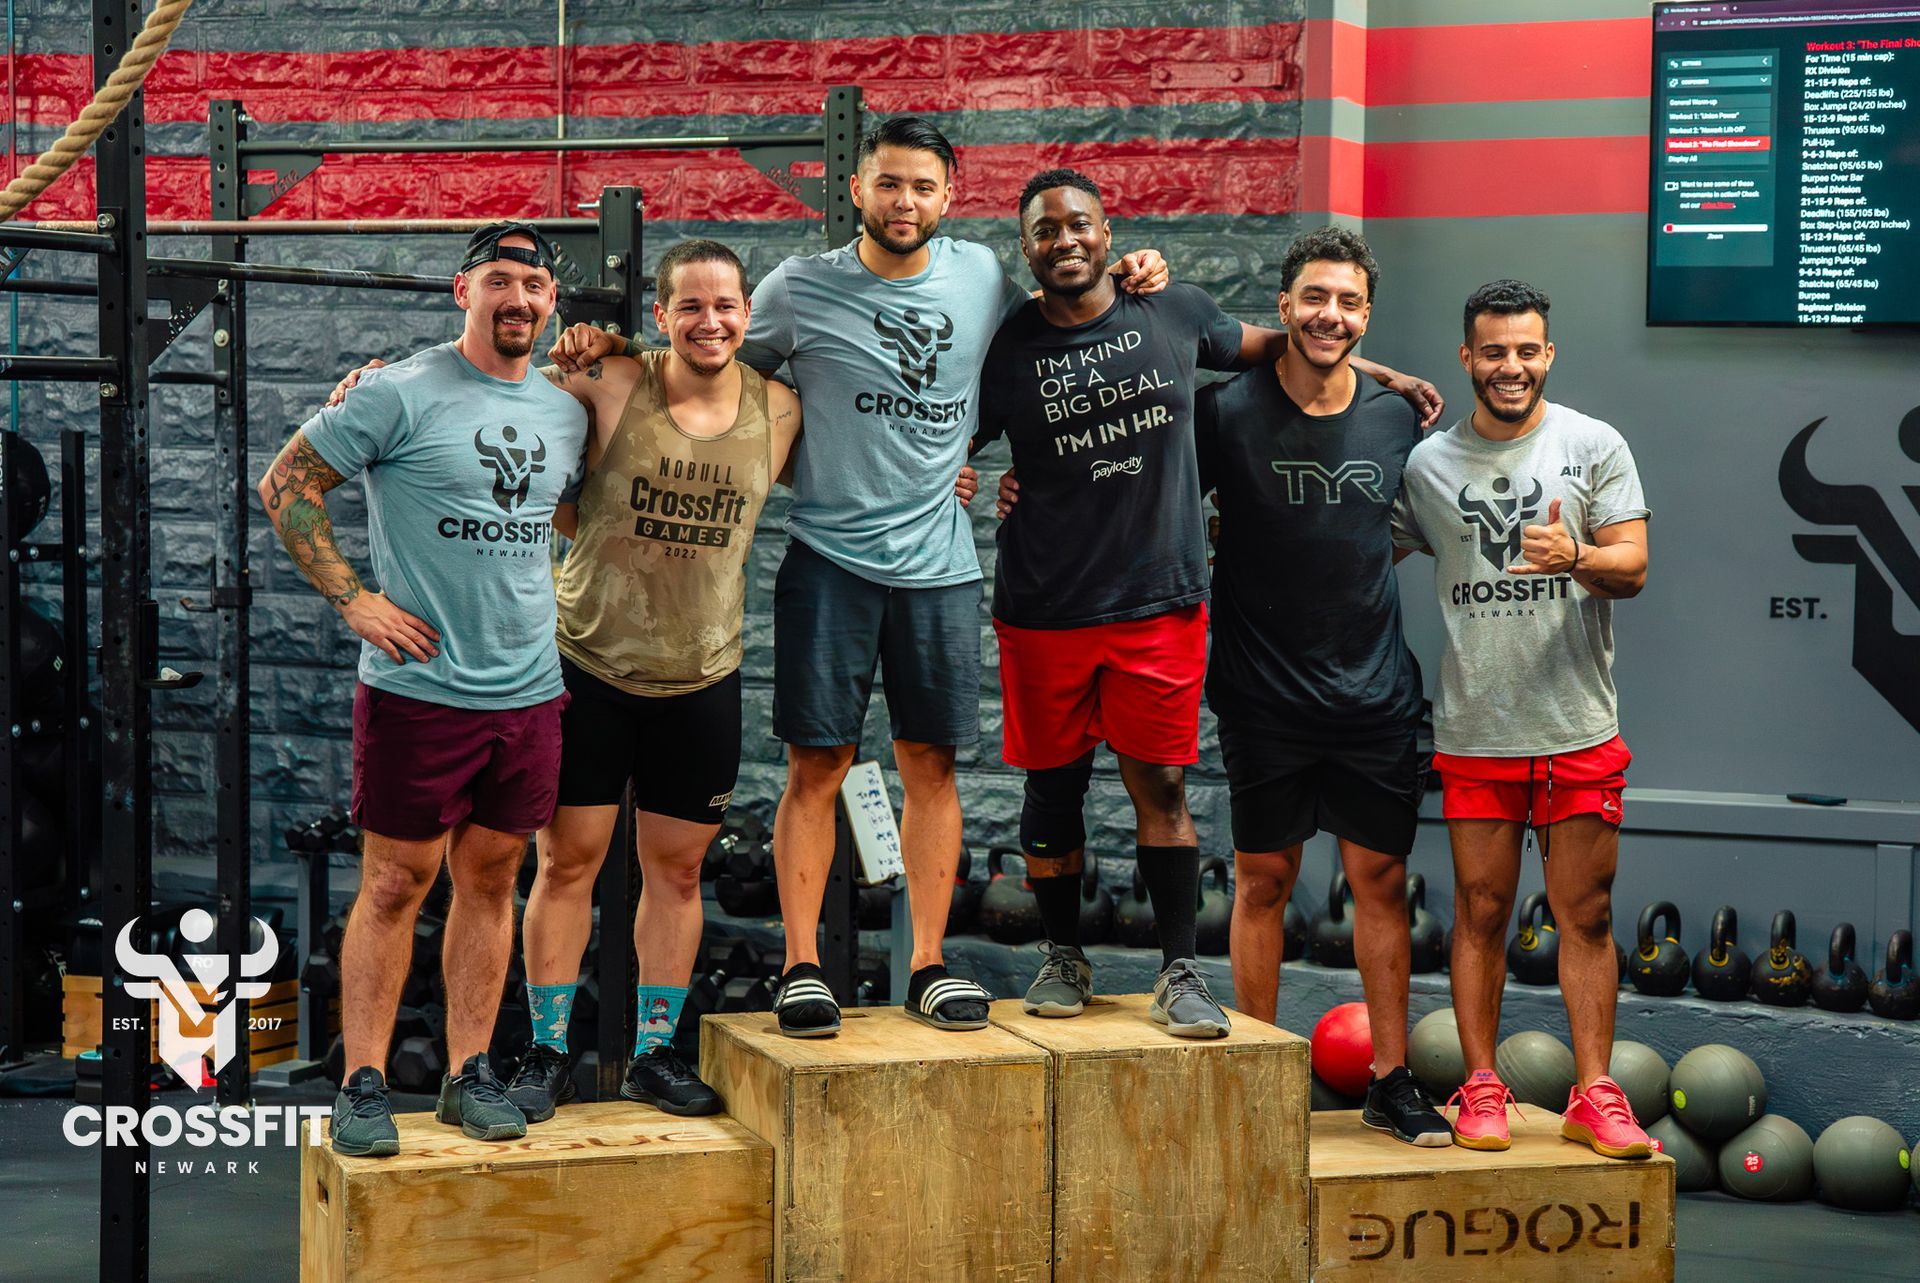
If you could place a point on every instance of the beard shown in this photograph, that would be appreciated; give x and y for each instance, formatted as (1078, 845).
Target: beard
(702, 364)
(1483, 390)
(877, 229)
(1096, 271)
(1316, 356)
(510, 345)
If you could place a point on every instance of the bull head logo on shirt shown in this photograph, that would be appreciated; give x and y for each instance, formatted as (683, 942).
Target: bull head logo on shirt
(1885, 656)
(918, 346)
(1499, 519)
(512, 465)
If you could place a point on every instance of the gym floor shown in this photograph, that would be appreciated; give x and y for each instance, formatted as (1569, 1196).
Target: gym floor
(246, 1227)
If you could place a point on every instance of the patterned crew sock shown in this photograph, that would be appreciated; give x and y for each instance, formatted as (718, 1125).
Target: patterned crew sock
(549, 1007)
(1172, 875)
(659, 1008)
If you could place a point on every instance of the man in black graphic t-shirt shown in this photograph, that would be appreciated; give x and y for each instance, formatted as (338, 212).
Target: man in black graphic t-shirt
(1099, 597)
(1316, 692)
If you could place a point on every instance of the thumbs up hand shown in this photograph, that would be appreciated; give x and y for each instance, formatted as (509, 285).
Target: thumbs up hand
(1548, 549)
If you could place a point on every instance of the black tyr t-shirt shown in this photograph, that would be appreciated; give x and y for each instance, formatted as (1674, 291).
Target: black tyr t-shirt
(1306, 606)
(1100, 418)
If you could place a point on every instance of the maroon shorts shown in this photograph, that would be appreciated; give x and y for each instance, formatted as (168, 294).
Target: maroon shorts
(421, 768)
(1134, 684)
(1540, 790)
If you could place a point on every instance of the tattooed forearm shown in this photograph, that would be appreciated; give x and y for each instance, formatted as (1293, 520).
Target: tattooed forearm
(594, 371)
(293, 492)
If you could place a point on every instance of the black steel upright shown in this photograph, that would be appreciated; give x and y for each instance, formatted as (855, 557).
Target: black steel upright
(13, 918)
(843, 110)
(125, 661)
(231, 590)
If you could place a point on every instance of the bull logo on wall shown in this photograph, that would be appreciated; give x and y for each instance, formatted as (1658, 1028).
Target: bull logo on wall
(1887, 658)
(512, 465)
(918, 346)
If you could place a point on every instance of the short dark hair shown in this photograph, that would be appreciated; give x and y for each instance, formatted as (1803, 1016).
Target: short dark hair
(693, 252)
(914, 132)
(1505, 298)
(1048, 179)
(1330, 245)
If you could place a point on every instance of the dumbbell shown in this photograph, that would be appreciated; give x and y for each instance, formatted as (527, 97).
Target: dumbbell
(419, 1057)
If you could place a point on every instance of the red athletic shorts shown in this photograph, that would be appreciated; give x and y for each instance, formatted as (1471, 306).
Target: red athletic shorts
(1134, 684)
(1541, 790)
(421, 768)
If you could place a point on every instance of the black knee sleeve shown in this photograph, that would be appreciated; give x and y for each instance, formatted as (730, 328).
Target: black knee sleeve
(1052, 822)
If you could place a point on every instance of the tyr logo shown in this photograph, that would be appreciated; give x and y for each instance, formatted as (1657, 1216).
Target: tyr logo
(512, 465)
(1881, 556)
(918, 346)
(1499, 519)
(1365, 475)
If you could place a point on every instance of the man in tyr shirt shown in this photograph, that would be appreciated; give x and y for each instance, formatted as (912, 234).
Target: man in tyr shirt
(1316, 693)
(1099, 599)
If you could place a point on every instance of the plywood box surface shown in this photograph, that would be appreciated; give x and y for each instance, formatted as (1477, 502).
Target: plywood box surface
(599, 1192)
(1546, 1209)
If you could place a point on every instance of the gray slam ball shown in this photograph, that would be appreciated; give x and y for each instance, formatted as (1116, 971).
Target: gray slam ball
(1537, 1068)
(1716, 1090)
(1771, 1160)
(1433, 1053)
(1695, 1162)
(1863, 1164)
(1642, 1074)
(1321, 1096)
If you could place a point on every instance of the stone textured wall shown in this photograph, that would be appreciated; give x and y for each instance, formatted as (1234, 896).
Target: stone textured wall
(1187, 111)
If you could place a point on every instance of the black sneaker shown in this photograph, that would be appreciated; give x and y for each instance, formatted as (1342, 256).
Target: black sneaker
(543, 1081)
(474, 1101)
(362, 1118)
(661, 1079)
(1398, 1105)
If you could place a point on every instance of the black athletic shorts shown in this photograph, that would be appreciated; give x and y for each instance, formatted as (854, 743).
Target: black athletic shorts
(1284, 789)
(830, 628)
(682, 752)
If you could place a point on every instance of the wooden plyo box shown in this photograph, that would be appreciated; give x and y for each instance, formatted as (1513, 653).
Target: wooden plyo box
(900, 1151)
(1173, 1158)
(599, 1192)
(1545, 1209)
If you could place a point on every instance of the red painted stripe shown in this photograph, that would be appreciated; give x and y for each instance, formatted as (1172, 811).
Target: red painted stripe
(1333, 176)
(1148, 177)
(1510, 62)
(1335, 54)
(971, 70)
(1469, 179)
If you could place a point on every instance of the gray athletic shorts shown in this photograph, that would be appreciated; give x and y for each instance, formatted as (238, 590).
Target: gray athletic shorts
(831, 627)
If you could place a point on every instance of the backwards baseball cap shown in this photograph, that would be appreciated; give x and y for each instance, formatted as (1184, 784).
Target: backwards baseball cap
(484, 246)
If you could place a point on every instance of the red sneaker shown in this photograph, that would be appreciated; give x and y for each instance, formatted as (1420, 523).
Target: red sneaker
(1601, 1117)
(1481, 1120)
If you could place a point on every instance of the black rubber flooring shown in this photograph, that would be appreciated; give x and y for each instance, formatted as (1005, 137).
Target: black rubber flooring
(245, 1227)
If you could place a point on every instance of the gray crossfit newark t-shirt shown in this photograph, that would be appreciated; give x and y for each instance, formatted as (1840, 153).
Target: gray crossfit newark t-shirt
(889, 379)
(1528, 668)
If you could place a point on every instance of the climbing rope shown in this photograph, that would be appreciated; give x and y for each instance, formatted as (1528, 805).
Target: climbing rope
(108, 103)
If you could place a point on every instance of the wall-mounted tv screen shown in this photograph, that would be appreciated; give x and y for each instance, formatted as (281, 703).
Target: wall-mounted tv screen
(1785, 163)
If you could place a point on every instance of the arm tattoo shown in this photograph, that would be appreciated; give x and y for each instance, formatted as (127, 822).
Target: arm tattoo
(594, 371)
(295, 501)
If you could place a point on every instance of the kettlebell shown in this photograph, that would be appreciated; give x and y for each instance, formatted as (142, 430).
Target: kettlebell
(1896, 991)
(965, 905)
(1133, 920)
(1008, 911)
(1533, 955)
(1096, 907)
(1429, 937)
(1294, 928)
(1213, 920)
(1721, 971)
(1840, 985)
(1333, 934)
(1781, 976)
(1658, 966)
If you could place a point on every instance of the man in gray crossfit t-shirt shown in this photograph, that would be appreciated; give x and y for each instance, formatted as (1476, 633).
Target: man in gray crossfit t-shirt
(1536, 521)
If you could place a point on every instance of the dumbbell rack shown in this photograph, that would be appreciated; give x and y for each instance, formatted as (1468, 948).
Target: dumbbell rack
(79, 765)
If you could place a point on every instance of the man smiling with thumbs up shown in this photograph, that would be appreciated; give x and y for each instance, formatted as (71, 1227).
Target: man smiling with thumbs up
(1535, 517)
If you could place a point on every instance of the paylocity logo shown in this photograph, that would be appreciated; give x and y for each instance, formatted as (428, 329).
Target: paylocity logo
(1882, 557)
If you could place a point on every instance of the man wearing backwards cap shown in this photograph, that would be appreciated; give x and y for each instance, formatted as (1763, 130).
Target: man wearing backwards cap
(456, 716)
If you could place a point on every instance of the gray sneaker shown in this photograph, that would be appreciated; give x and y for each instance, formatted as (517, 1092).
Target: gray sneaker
(1064, 984)
(476, 1102)
(362, 1118)
(1181, 1002)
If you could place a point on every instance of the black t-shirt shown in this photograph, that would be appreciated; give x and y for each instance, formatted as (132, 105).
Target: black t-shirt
(1100, 418)
(1306, 606)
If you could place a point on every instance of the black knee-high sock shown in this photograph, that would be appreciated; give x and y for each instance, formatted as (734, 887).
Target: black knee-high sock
(1172, 875)
(1059, 901)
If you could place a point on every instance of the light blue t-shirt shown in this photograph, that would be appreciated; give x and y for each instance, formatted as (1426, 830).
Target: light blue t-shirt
(889, 379)
(463, 471)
